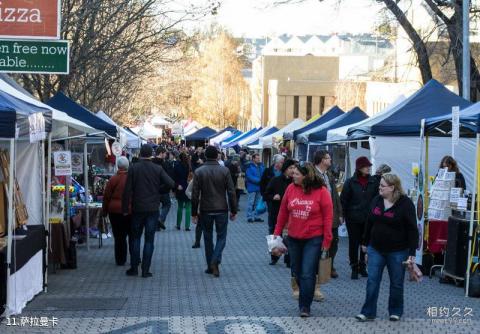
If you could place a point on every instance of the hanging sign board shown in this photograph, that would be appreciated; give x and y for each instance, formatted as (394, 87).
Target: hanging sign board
(77, 163)
(37, 127)
(63, 163)
(32, 19)
(455, 125)
(24, 56)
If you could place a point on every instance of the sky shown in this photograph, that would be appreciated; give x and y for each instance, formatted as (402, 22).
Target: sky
(254, 18)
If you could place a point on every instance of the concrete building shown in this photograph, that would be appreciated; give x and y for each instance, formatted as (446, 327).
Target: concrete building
(288, 87)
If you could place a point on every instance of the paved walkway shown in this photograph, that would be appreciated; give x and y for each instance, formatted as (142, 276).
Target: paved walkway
(249, 297)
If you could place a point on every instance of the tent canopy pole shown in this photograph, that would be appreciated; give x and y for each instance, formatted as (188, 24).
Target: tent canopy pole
(11, 214)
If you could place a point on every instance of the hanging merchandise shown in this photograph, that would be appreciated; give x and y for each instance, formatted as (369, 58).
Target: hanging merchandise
(63, 163)
(21, 213)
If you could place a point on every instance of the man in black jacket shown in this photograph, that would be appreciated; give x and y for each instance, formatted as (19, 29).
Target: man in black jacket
(165, 191)
(212, 185)
(143, 188)
(269, 173)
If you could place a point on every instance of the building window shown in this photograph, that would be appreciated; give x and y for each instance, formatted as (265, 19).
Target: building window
(296, 105)
(309, 107)
(322, 104)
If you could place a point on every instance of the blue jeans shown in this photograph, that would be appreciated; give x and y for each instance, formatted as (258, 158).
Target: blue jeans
(214, 256)
(253, 199)
(166, 204)
(304, 257)
(396, 271)
(141, 220)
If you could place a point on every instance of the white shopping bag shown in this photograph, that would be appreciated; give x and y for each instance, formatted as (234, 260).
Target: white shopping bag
(342, 230)
(276, 245)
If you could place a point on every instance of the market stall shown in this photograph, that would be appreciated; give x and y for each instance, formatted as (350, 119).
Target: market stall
(23, 127)
(91, 156)
(462, 207)
(233, 141)
(200, 137)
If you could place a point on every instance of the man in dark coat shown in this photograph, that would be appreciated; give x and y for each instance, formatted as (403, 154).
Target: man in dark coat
(323, 162)
(145, 182)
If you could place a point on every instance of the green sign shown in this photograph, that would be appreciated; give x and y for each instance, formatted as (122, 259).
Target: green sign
(44, 57)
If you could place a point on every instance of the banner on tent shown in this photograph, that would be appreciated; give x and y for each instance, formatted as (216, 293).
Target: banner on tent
(63, 163)
(37, 127)
(77, 163)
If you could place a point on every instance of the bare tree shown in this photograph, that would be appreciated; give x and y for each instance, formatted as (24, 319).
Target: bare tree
(115, 44)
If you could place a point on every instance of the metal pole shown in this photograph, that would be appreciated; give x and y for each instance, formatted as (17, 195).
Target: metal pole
(466, 50)
(87, 194)
(472, 217)
(49, 199)
(44, 200)
(11, 214)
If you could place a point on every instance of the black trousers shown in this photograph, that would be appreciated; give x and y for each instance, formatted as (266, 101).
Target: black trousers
(121, 228)
(355, 233)
(334, 244)
(198, 232)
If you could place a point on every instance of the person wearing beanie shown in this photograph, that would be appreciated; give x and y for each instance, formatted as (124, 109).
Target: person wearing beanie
(274, 193)
(357, 194)
(213, 196)
(142, 189)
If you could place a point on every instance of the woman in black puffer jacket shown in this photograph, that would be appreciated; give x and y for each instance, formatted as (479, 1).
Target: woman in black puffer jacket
(274, 193)
(357, 194)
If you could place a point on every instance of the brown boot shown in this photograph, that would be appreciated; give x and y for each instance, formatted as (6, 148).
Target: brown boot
(215, 270)
(318, 295)
(295, 289)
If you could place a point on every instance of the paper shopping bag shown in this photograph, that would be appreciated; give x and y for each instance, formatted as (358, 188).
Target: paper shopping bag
(324, 269)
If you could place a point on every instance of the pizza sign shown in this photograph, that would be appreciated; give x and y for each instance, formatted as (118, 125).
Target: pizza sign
(39, 19)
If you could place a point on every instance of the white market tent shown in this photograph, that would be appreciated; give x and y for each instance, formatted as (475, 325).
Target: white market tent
(148, 131)
(159, 121)
(215, 141)
(130, 140)
(267, 141)
(25, 283)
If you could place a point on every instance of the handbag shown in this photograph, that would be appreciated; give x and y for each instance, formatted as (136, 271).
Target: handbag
(324, 268)
(241, 182)
(261, 207)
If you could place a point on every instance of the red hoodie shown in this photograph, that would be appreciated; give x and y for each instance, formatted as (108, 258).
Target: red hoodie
(308, 215)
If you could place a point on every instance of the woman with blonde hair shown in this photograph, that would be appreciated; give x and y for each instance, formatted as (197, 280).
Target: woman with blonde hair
(308, 209)
(390, 238)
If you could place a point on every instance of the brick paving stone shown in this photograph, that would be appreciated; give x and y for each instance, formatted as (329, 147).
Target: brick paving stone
(249, 297)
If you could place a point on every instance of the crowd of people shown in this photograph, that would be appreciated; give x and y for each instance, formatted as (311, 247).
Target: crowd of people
(305, 207)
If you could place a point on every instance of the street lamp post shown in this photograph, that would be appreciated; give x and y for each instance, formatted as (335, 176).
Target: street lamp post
(466, 50)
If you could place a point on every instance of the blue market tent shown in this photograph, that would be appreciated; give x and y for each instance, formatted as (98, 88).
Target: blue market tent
(256, 141)
(442, 125)
(15, 113)
(201, 134)
(228, 128)
(431, 100)
(328, 116)
(234, 142)
(63, 103)
(232, 137)
(319, 134)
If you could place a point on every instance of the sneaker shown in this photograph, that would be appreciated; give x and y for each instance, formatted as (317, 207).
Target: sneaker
(394, 318)
(259, 220)
(196, 246)
(209, 271)
(178, 228)
(363, 318)
(333, 273)
(250, 220)
(146, 275)
(304, 312)
(187, 229)
(161, 226)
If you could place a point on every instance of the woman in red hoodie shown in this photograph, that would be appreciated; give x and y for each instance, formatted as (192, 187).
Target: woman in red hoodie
(112, 205)
(308, 210)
